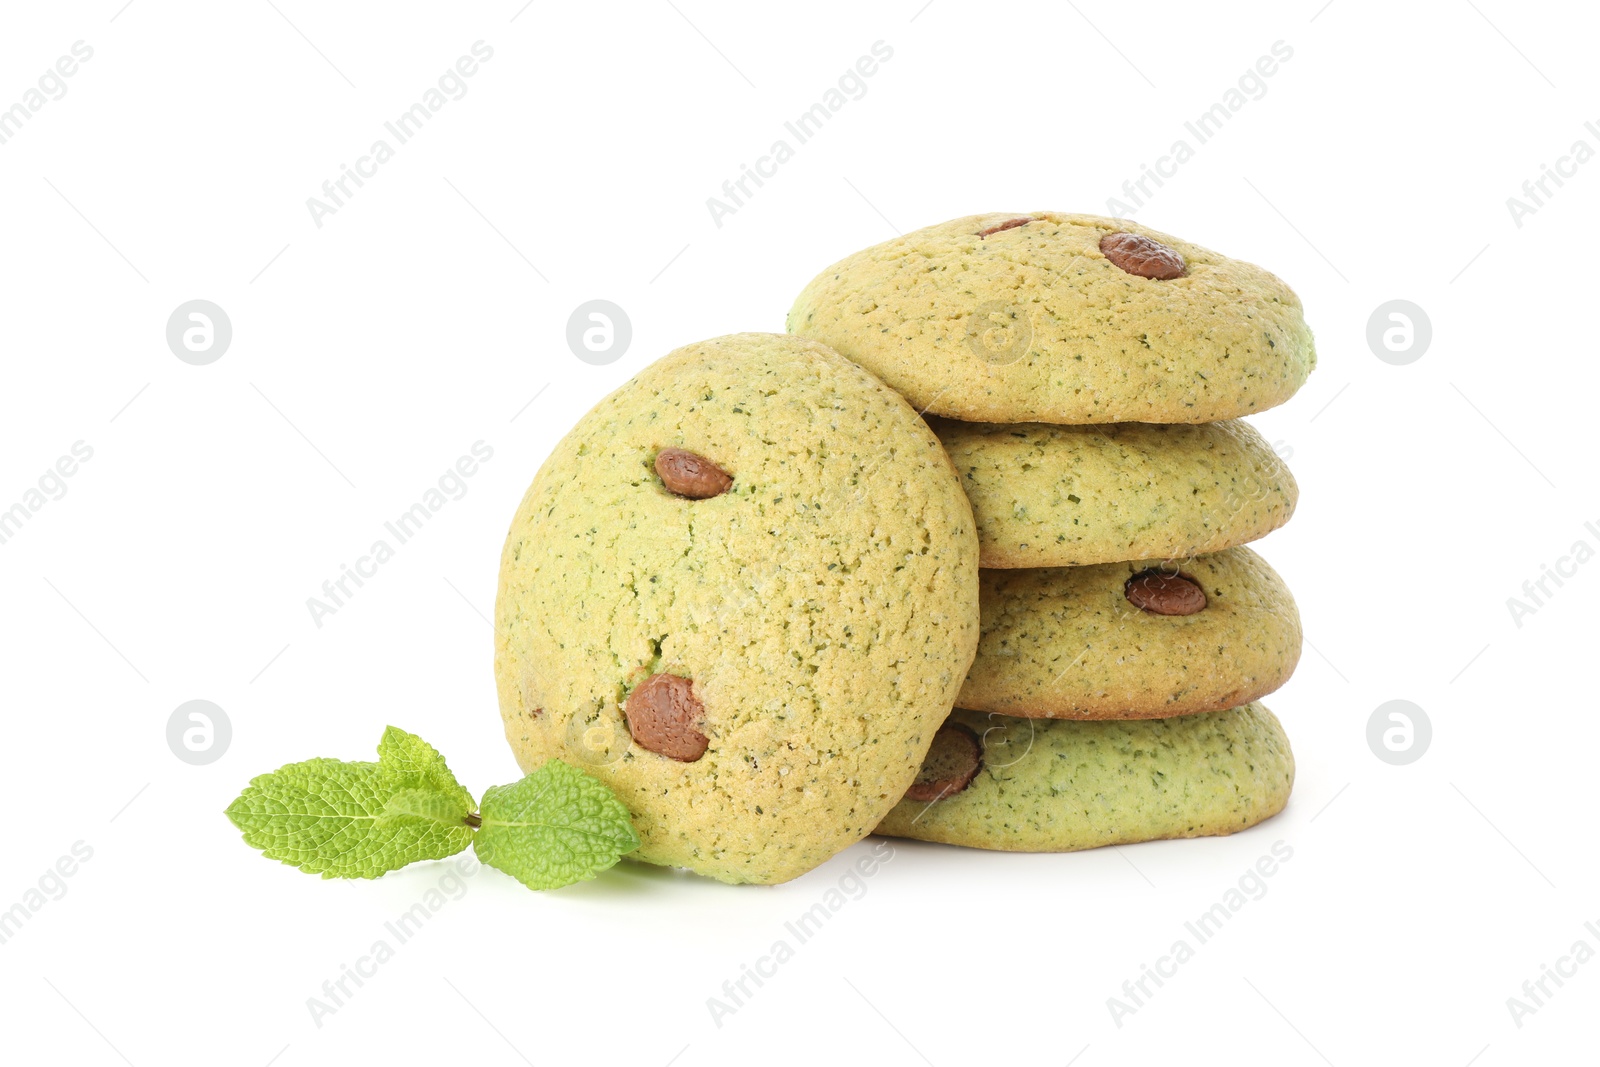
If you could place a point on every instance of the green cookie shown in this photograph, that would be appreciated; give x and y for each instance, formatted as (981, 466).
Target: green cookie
(1057, 786)
(1063, 496)
(1140, 640)
(1049, 317)
(743, 593)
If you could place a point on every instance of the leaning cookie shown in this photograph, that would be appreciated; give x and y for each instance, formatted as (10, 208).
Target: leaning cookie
(1061, 318)
(1025, 785)
(750, 638)
(1136, 640)
(1058, 496)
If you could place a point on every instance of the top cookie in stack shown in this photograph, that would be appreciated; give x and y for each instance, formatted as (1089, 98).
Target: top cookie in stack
(1069, 319)
(1054, 326)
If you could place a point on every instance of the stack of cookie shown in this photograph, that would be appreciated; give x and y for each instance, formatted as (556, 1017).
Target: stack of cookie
(748, 588)
(1098, 371)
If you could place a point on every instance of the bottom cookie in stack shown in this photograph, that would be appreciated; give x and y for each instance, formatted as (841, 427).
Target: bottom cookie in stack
(1054, 785)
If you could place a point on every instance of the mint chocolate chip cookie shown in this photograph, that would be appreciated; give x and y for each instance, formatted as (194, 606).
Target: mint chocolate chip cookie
(1148, 639)
(1056, 496)
(1060, 318)
(1054, 786)
(742, 592)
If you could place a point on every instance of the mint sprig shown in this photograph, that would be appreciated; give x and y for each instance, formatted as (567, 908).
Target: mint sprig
(361, 820)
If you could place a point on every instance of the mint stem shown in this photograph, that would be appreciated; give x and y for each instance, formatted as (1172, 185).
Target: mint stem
(473, 819)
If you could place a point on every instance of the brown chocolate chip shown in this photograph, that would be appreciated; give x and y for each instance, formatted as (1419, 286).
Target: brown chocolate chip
(665, 717)
(1164, 593)
(1139, 255)
(953, 761)
(687, 474)
(1009, 224)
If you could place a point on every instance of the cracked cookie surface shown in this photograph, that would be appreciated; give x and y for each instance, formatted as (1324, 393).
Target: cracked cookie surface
(820, 611)
(992, 319)
(1072, 642)
(1060, 496)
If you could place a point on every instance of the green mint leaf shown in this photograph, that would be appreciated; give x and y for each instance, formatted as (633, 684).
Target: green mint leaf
(419, 765)
(555, 827)
(409, 807)
(357, 820)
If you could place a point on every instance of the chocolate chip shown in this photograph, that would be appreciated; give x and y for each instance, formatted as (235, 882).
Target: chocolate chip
(687, 474)
(953, 761)
(1009, 224)
(1164, 593)
(665, 717)
(1140, 255)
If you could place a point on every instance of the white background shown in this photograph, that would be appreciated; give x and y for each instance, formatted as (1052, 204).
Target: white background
(369, 353)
